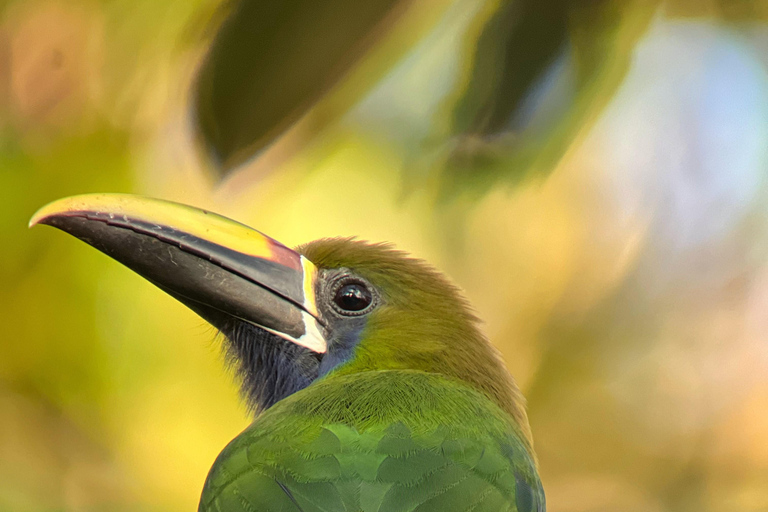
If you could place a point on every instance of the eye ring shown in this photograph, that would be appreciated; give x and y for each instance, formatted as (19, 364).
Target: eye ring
(352, 296)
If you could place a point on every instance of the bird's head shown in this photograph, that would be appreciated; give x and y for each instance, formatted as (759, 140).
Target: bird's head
(293, 316)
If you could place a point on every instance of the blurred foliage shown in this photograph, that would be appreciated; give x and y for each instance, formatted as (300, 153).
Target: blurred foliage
(626, 286)
(541, 71)
(271, 61)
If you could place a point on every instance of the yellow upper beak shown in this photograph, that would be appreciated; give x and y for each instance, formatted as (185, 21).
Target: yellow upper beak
(218, 267)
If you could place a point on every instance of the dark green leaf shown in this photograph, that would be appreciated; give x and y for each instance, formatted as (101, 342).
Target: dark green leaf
(272, 60)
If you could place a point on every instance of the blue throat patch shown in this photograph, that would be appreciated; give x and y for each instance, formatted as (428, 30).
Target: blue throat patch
(272, 368)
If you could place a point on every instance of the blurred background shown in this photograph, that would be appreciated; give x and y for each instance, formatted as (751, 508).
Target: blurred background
(592, 173)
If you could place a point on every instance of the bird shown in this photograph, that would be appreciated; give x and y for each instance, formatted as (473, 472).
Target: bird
(372, 385)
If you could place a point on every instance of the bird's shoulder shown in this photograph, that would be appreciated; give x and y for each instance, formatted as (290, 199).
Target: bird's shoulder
(380, 441)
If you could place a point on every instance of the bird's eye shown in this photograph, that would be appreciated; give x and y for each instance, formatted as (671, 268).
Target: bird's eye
(353, 297)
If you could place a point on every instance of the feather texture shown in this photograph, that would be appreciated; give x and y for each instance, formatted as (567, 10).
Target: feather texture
(381, 441)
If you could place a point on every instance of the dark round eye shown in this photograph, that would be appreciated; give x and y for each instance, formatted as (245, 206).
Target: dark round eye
(352, 297)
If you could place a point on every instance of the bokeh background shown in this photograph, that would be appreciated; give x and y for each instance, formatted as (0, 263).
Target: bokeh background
(595, 181)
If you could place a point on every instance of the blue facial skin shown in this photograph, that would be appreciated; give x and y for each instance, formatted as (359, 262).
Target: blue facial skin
(342, 345)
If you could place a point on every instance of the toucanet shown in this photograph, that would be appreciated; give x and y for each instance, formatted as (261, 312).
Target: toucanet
(372, 385)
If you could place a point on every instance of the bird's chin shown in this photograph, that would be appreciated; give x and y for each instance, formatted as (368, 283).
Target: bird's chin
(269, 367)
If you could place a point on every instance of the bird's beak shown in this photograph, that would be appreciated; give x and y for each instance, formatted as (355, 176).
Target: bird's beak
(218, 267)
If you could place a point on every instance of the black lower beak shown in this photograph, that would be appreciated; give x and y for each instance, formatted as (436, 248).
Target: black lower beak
(219, 268)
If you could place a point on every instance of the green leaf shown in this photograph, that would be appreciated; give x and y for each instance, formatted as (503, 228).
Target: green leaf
(271, 60)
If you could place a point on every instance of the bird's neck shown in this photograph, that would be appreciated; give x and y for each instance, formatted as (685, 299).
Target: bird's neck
(472, 361)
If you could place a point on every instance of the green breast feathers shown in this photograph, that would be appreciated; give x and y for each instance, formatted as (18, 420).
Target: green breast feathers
(386, 441)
